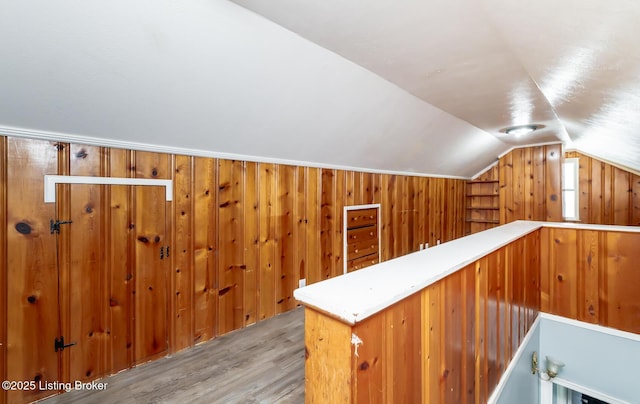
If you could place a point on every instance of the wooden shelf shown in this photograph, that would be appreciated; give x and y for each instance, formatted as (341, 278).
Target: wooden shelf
(484, 216)
(482, 221)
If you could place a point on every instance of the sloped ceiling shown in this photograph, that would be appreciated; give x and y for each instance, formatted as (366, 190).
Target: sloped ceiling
(410, 86)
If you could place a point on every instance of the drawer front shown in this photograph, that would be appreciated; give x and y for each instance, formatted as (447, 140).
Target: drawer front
(362, 234)
(362, 217)
(362, 262)
(362, 248)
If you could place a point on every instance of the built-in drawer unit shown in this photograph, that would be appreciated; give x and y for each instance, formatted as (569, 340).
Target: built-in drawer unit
(362, 236)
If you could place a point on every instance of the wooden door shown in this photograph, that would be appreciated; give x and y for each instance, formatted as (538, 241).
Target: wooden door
(114, 286)
(151, 338)
(84, 299)
(114, 296)
(32, 278)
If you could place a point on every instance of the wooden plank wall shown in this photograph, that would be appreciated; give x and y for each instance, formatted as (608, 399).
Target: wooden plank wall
(3, 266)
(530, 188)
(530, 184)
(458, 335)
(608, 194)
(241, 236)
(592, 276)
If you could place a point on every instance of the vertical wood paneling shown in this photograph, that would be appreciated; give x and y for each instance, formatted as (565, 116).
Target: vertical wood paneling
(517, 181)
(327, 377)
(85, 319)
(450, 342)
(584, 184)
(300, 229)
(635, 211)
(3, 264)
(539, 192)
(607, 192)
(432, 332)
(338, 223)
(205, 245)
(403, 216)
(183, 253)
(369, 365)
(592, 276)
(251, 243)
(412, 243)
(506, 184)
(285, 233)
(481, 337)
(588, 263)
(545, 257)
(241, 236)
(120, 250)
(370, 188)
(608, 195)
(515, 292)
(553, 184)
(328, 223)
(434, 209)
(454, 312)
(469, 326)
(473, 321)
(358, 192)
(533, 276)
(622, 284)
(350, 179)
(268, 241)
(494, 321)
(151, 278)
(63, 251)
(563, 273)
(530, 184)
(527, 179)
(313, 206)
(386, 184)
(597, 204)
(32, 299)
(422, 222)
(402, 351)
(231, 242)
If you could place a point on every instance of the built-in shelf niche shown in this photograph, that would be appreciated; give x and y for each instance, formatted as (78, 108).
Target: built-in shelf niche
(483, 202)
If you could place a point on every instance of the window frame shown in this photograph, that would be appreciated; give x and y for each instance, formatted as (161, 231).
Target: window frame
(575, 188)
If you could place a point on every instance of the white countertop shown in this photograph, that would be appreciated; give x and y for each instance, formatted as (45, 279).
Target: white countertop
(357, 295)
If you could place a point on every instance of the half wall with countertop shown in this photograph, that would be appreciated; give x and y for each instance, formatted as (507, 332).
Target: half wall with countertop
(442, 325)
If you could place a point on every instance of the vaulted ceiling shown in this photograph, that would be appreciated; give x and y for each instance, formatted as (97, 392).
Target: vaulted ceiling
(407, 86)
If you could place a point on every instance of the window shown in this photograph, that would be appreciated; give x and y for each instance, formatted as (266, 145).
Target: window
(570, 199)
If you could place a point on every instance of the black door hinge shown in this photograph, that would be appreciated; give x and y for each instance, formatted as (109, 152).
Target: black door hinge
(164, 252)
(55, 226)
(59, 344)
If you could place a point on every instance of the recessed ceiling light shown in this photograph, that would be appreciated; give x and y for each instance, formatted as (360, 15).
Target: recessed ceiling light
(521, 130)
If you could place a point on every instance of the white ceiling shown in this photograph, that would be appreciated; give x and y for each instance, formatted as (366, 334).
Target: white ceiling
(410, 86)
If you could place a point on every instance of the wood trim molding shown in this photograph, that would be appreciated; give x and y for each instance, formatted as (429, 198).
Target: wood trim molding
(120, 144)
(50, 182)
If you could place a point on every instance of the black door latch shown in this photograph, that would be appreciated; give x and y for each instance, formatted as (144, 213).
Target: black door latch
(59, 344)
(55, 226)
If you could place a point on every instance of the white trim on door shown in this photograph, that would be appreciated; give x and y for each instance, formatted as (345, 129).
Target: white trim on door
(50, 182)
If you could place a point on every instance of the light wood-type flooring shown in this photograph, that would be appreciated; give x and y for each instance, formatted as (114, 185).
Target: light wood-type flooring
(263, 363)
